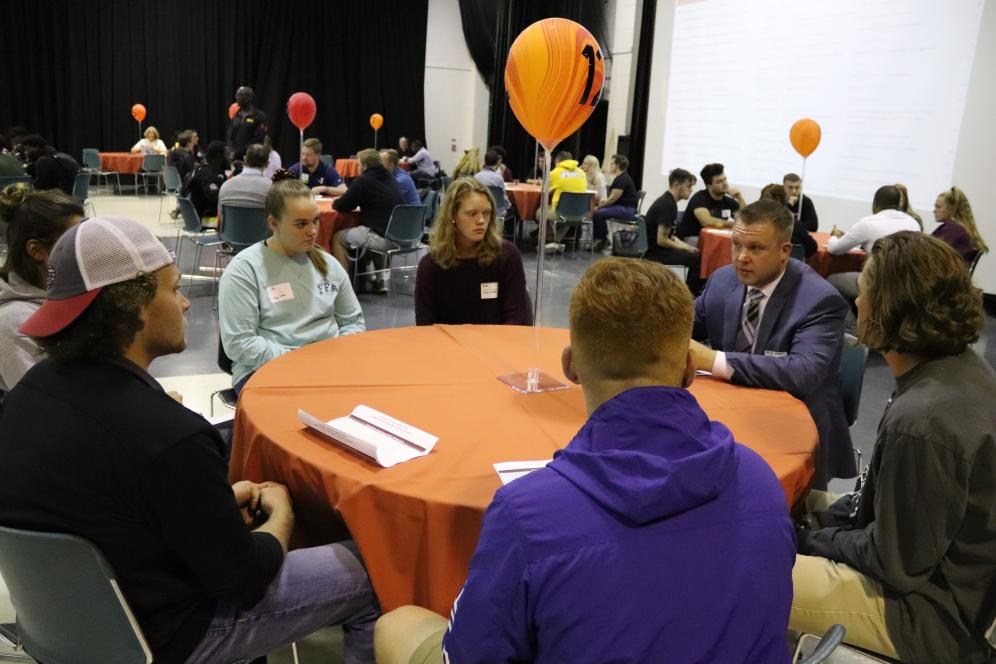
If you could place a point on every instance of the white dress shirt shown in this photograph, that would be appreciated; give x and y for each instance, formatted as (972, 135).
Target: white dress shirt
(869, 229)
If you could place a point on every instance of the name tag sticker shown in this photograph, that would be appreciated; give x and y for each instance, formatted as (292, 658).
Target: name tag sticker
(774, 353)
(726, 214)
(280, 292)
(489, 290)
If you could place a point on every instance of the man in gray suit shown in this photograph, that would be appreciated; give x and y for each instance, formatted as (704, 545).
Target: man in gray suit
(773, 322)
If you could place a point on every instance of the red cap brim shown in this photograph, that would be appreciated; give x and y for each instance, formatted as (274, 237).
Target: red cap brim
(55, 315)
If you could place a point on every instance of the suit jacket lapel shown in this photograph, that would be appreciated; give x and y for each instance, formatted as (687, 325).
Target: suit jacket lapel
(731, 316)
(773, 309)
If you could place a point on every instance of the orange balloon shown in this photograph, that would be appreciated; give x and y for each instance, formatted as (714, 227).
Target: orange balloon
(376, 120)
(554, 78)
(138, 112)
(805, 135)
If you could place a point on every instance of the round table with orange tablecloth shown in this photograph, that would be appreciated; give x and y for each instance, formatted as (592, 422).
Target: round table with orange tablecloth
(348, 168)
(526, 198)
(716, 249)
(122, 162)
(332, 222)
(417, 523)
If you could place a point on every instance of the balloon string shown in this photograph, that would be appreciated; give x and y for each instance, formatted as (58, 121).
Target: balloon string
(541, 246)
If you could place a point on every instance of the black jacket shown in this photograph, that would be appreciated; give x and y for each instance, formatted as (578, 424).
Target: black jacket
(54, 170)
(99, 450)
(376, 193)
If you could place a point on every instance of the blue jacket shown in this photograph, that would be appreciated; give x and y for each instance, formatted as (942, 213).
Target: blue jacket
(324, 174)
(407, 187)
(653, 537)
(798, 348)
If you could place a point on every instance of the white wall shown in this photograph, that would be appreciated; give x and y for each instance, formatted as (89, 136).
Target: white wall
(622, 49)
(456, 98)
(976, 144)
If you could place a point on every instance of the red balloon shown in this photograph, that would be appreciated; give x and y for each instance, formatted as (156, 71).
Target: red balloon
(232, 110)
(301, 109)
(138, 112)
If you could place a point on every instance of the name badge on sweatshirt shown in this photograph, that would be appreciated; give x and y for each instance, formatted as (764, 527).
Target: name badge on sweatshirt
(280, 292)
(489, 290)
(775, 353)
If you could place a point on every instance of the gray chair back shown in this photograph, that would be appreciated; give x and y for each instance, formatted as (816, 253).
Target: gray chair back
(445, 181)
(431, 204)
(501, 198)
(406, 226)
(69, 607)
(91, 159)
(573, 206)
(326, 159)
(171, 177)
(852, 375)
(81, 186)
(191, 220)
(242, 227)
(153, 163)
(798, 252)
(640, 195)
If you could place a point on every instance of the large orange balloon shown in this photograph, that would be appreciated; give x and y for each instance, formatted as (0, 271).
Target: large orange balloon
(805, 136)
(138, 112)
(554, 78)
(376, 120)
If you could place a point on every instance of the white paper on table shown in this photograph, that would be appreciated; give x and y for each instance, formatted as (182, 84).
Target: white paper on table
(700, 372)
(513, 470)
(381, 438)
(720, 231)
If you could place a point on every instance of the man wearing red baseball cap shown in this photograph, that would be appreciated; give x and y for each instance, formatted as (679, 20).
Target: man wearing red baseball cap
(91, 445)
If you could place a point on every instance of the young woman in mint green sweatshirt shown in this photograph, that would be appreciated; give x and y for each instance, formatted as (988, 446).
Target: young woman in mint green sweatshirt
(284, 292)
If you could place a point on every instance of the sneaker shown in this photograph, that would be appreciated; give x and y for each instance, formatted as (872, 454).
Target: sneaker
(380, 287)
(555, 248)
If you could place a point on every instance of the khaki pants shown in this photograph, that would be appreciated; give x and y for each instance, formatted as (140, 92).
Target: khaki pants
(828, 593)
(409, 635)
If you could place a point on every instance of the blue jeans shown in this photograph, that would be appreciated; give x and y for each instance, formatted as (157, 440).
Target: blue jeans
(316, 587)
(600, 229)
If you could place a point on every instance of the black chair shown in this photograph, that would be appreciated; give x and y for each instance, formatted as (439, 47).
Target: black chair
(227, 396)
(70, 609)
(798, 252)
(631, 246)
(974, 263)
(574, 209)
(852, 375)
(640, 195)
(81, 191)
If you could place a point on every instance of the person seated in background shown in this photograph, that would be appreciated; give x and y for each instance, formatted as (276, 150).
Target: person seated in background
(50, 168)
(14, 135)
(661, 219)
(284, 292)
(887, 218)
(180, 157)
(712, 207)
(506, 172)
(490, 176)
(800, 236)
(470, 274)
(681, 533)
(957, 224)
(114, 460)
(565, 176)
(907, 563)
(595, 177)
(10, 165)
(619, 204)
(390, 159)
(774, 323)
(321, 177)
(376, 193)
(34, 220)
(537, 172)
(905, 206)
(421, 162)
(249, 125)
(250, 187)
(151, 143)
(206, 181)
(273, 161)
(404, 149)
(805, 211)
(469, 164)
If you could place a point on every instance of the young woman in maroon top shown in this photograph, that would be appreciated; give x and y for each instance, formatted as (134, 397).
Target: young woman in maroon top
(957, 224)
(470, 274)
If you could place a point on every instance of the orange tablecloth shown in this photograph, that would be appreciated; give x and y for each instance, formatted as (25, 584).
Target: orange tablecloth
(333, 221)
(716, 248)
(417, 524)
(122, 162)
(348, 168)
(526, 198)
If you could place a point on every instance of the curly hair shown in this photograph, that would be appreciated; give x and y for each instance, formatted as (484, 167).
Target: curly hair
(108, 326)
(919, 297)
(442, 237)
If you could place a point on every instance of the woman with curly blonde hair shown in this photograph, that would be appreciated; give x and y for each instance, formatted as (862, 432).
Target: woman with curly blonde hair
(469, 164)
(470, 274)
(957, 224)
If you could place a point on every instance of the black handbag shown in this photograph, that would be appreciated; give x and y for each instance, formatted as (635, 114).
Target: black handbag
(624, 243)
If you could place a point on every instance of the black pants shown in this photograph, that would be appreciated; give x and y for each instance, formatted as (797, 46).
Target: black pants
(678, 257)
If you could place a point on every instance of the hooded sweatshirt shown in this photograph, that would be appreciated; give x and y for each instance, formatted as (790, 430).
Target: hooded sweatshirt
(653, 537)
(567, 177)
(18, 353)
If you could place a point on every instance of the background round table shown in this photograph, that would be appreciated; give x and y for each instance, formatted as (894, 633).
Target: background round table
(122, 162)
(716, 249)
(333, 221)
(526, 198)
(347, 168)
(417, 523)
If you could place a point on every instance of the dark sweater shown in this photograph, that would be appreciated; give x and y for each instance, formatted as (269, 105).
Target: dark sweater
(924, 522)
(54, 170)
(376, 193)
(99, 450)
(454, 296)
(955, 234)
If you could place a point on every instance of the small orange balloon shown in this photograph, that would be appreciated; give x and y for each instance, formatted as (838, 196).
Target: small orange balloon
(376, 120)
(805, 136)
(138, 112)
(554, 78)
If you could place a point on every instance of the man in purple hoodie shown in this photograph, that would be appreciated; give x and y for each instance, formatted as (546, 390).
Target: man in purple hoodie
(652, 537)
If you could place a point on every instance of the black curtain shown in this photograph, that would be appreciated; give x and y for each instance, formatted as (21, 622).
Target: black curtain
(641, 93)
(72, 70)
(489, 47)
